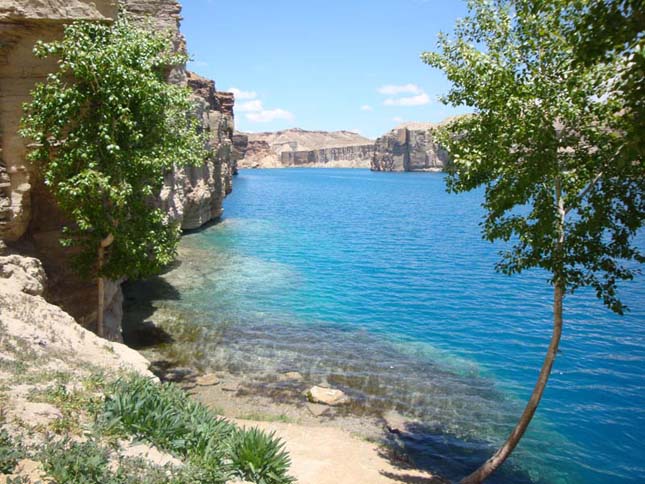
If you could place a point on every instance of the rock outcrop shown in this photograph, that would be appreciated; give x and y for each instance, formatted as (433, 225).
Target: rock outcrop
(49, 331)
(302, 148)
(192, 196)
(409, 147)
(354, 156)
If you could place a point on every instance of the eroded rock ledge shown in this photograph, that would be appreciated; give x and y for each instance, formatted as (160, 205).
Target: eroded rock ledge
(29, 215)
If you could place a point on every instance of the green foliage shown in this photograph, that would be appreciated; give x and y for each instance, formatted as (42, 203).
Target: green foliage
(260, 457)
(607, 30)
(549, 140)
(10, 452)
(105, 127)
(165, 416)
(90, 462)
(78, 463)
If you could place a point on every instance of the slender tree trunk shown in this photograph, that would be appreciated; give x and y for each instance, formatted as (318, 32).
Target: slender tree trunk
(498, 458)
(100, 283)
(491, 465)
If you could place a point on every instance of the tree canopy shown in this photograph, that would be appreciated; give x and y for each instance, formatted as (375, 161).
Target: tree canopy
(547, 116)
(106, 126)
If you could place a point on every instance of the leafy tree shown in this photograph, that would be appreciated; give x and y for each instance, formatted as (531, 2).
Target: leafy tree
(550, 139)
(106, 126)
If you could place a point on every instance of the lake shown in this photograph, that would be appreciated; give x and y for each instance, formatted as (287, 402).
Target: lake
(380, 284)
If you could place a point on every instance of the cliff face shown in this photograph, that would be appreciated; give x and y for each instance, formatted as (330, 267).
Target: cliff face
(299, 147)
(355, 156)
(409, 148)
(192, 196)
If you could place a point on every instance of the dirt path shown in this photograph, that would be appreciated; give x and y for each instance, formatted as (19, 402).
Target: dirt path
(327, 455)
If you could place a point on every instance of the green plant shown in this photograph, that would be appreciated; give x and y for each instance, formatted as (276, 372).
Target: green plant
(105, 128)
(260, 457)
(165, 416)
(73, 462)
(90, 462)
(10, 452)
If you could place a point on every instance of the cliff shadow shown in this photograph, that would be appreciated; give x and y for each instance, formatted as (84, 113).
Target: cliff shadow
(205, 226)
(139, 308)
(419, 446)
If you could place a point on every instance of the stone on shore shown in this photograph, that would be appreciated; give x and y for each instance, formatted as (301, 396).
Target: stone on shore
(326, 396)
(207, 380)
(317, 409)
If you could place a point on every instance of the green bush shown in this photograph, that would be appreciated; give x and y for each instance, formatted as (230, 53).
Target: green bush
(10, 453)
(163, 415)
(214, 448)
(89, 462)
(78, 463)
(260, 457)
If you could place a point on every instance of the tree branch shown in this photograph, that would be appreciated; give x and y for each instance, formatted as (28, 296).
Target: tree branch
(587, 189)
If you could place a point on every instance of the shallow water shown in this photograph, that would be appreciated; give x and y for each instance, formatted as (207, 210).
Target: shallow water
(380, 284)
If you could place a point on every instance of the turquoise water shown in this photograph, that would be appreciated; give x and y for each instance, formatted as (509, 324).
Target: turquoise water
(379, 283)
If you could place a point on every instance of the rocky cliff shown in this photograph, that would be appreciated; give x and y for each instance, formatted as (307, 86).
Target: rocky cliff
(29, 216)
(409, 147)
(193, 195)
(354, 156)
(299, 147)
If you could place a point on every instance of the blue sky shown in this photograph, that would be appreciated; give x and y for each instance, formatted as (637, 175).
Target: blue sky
(322, 64)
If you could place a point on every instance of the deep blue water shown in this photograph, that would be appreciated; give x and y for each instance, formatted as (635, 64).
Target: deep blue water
(380, 284)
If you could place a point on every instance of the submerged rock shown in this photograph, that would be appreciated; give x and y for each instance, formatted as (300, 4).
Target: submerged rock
(290, 376)
(395, 422)
(207, 380)
(326, 396)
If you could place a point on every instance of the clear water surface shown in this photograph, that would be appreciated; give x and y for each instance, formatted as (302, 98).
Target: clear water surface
(379, 283)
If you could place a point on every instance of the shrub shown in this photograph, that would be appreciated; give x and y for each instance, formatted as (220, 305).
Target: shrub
(78, 463)
(260, 457)
(164, 415)
(214, 449)
(10, 453)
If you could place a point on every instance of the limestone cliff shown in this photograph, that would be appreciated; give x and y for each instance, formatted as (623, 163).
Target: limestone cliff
(409, 147)
(299, 147)
(28, 214)
(354, 156)
(193, 195)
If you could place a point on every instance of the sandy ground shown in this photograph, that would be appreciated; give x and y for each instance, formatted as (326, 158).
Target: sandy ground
(327, 455)
(328, 448)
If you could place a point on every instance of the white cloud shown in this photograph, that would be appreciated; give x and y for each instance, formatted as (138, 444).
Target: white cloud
(254, 108)
(355, 130)
(404, 95)
(394, 90)
(397, 119)
(239, 94)
(366, 107)
(250, 106)
(418, 100)
(267, 115)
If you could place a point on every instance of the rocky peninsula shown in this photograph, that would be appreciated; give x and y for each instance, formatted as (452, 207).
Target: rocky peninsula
(407, 147)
